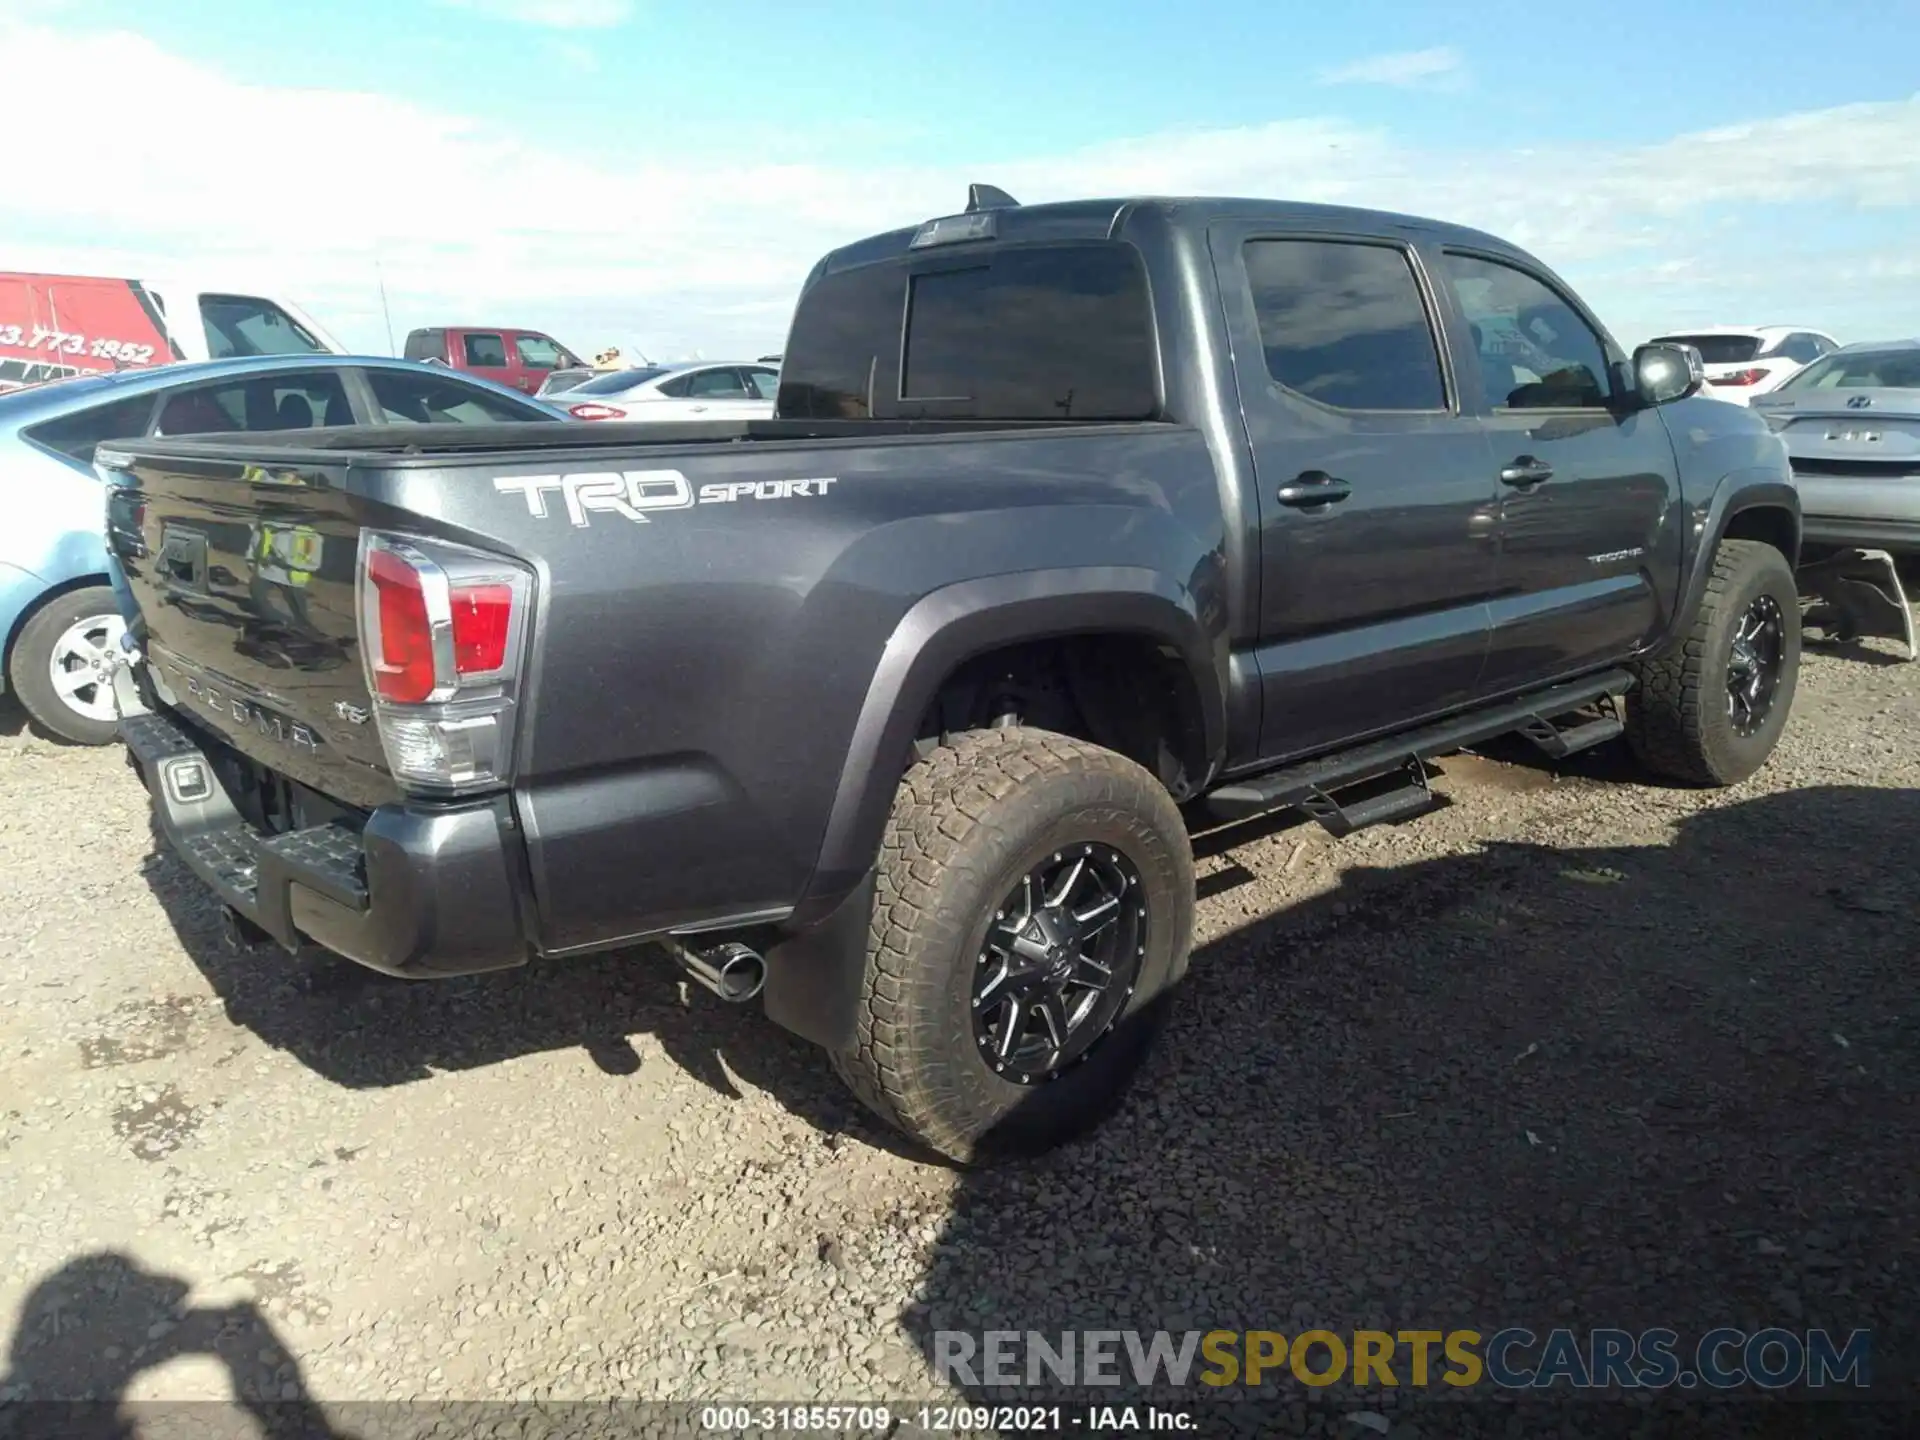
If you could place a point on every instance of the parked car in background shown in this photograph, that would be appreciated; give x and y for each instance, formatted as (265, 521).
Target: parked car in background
(53, 326)
(701, 391)
(519, 359)
(1851, 423)
(1745, 361)
(58, 613)
(558, 382)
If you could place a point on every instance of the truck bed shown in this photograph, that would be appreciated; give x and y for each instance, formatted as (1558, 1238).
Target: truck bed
(401, 443)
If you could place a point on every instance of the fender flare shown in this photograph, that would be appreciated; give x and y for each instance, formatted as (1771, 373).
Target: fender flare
(951, 625)
(1739, 491)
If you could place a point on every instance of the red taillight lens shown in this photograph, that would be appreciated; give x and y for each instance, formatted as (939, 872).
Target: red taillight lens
(481, 616)
(403, 669)
(596, 412)
(1741, 377)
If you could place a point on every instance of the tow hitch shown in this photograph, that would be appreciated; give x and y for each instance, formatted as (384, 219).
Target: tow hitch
(1856, 593)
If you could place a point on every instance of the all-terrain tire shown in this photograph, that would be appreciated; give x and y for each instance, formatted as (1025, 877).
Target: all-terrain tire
(967, 824)
(28, 672)
(1678, 721)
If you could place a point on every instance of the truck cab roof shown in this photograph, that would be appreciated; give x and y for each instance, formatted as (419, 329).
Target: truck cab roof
(1108, 218)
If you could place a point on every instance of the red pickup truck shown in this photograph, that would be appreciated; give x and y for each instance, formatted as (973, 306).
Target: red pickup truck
(507, 356)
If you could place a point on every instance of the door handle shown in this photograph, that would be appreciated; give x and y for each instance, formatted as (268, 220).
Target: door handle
(1525, 470)
(1314, 487)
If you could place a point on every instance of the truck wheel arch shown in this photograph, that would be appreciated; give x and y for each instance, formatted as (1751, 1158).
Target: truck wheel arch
(1745, 505)
(952, 625)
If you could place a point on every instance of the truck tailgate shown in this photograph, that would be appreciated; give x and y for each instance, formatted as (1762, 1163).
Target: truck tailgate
(245, 582)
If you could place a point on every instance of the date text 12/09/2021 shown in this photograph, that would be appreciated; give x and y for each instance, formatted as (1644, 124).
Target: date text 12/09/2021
(941, 1419)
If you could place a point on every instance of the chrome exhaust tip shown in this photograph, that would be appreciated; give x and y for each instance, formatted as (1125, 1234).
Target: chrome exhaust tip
(732, 971)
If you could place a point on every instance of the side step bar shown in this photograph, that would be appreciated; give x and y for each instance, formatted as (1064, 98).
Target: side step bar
(1311, 785)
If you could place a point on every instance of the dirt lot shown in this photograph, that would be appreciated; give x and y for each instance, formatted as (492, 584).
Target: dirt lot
(1573, 1050)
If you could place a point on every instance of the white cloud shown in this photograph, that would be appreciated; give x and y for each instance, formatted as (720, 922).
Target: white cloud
(554, 14)
(304, 190)
(1405, 69)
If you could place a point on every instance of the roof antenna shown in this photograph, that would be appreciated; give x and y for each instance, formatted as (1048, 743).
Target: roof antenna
(989, 197)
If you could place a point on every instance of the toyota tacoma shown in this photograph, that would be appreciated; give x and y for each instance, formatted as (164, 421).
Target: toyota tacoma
(1076, 525)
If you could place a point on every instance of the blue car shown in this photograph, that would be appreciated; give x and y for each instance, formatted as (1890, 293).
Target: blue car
(58, 608)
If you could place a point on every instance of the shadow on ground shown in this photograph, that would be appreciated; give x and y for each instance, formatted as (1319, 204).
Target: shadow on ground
(363, 1030)
(88, 1330)
(1640, 1087)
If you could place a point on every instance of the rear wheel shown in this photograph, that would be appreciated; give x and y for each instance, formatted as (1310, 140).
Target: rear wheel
(1711, 710)
(1034, 905)
(63, 663)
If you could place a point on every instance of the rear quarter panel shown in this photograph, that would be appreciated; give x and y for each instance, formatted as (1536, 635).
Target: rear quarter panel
(698, 677)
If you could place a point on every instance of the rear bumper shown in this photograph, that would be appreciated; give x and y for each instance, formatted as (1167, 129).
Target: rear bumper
(416, 893)
(1899, 536)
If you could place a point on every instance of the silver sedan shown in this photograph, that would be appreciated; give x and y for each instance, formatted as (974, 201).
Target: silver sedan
(1851, 423)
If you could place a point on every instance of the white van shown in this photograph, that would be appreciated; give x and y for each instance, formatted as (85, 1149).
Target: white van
(55, 325)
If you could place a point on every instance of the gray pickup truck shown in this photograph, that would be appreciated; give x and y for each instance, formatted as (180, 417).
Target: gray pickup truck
(1076, 524)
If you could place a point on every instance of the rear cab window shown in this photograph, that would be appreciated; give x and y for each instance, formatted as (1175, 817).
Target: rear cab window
(1060, 330)
(485, 350)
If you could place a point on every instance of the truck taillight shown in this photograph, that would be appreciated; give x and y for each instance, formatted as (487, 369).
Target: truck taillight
(401, 645)
(481, 615)
(441, 633)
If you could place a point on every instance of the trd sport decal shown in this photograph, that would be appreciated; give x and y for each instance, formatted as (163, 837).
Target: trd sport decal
(636, 494)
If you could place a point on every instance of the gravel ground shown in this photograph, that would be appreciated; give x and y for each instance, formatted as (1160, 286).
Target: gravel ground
(1571, 1050)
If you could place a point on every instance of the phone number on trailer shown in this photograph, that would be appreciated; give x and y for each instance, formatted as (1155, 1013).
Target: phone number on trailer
(61, 342)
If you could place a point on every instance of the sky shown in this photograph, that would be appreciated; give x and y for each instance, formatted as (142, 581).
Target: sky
(662, 176)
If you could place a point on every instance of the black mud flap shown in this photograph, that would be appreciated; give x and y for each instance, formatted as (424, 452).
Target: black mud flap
(1857, 593)
(815, 978)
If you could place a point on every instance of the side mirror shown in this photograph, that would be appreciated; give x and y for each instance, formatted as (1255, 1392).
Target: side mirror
(1663, 374)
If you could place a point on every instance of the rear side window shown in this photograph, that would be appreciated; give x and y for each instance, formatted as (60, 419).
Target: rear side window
(77, 434)
(1717, 349)
(247, 325)
(714, 385)
(485, 350)
(1343, 323)
(429, 399)
(281, 402)
(1041, 332)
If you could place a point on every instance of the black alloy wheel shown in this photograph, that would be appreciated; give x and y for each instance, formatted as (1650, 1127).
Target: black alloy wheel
(1059, 960)
(1754, 664)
